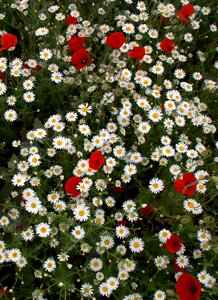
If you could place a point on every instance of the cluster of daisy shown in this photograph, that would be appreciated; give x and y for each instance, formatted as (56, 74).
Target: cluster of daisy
(148, 119)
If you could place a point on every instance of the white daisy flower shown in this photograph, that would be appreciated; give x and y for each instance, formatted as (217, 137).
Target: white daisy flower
(78, 232)
(159, 295)
(136, 245)
(45, 54)
(182, 261)
(163, 235)
(81, 213)
(107, 242)
(86, 290)
(14, 254)
(21, 262)
(10, 115)
(18, 179)
(105, 289)
(156, 185)
(49, 265)
(122, 231)
(28, 234)
(43, 230)
(96, 264)
(33, 205)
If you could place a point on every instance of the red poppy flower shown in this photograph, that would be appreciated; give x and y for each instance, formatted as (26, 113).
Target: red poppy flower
(137, 52)
(176, 267)
(1, 76)
(8, 41)
(167, 45)
(21, 227)
(119, 190)
(80, 58)
(123, 222)
(186, 185)
(96, 160)
(76, 42)
(115, 40)
(22, 199)
(162, 107)
(173, 244)
(71, 20)
(181, 16)
(187, 11)
(188, 287)
(147, 210)
(163, 20)
(4, 292)
(71, 186)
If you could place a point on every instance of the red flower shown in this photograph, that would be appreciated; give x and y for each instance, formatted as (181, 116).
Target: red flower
(137, 52)
(186, 185)
(187, 11)
(123, 223)
(8, 41)
(21, 227)
(80, 58)
(119, 190)
(71, 186)
(147, 210)
(162, 107)
(167, 45)
(22, 199)
(173, 244)
(4, 292)
(115, 40)
(188, 287)
(76, 42)
(181, 16)
(71, 20)
(1, 76)
(163, 20)
(96, 160)
(176, 267)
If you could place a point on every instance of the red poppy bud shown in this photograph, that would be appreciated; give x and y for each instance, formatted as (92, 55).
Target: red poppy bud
(115, 40)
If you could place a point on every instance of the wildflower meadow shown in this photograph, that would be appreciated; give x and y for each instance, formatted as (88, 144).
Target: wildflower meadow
(108, 149)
